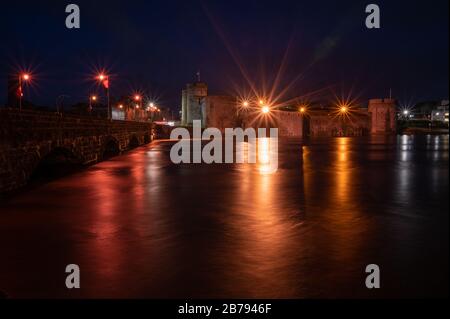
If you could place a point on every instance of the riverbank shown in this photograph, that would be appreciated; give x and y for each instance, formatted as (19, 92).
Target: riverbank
(424, 131)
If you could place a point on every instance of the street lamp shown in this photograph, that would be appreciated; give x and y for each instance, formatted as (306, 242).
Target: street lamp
(265, 109)
(92, 98)
(22, 77)
(104, 79)
(138, 99)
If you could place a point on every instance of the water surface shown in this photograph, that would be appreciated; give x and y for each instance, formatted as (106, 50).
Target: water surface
(140, 226)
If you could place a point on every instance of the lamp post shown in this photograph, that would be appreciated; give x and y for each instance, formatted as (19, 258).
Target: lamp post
(104, 79)
(137, 99)
(92, 98)
(22, 77)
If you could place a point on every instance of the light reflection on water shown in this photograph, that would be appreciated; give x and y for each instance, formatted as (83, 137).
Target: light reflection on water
(140, 226)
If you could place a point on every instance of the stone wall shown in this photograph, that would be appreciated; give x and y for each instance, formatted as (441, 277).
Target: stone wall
(323, 123)
(384, 116)
(27, 137)
(192, 100)
(290, 124)
(221, 112)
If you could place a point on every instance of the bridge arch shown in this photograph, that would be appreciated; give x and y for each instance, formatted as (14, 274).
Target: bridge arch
(57, 162)
(111, 148)
(147, 138)
(134, 142)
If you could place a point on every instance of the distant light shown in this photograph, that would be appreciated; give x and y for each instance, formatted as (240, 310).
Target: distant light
(265, 109)
(152, 104)
(26, 76)
(344, 109)
(406, 112)
(437, 114)
(171, 123)
(302, 110)
(137, 106)
(137, 97)
(120, 106)
(261, 102)
(94, 98)
(101, 77)
(245, 104)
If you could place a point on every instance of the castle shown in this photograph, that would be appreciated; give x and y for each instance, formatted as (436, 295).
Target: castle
(225, 112)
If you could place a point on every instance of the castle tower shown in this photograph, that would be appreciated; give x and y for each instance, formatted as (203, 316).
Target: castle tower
(183, 107)
(192, 102)
(384, 116)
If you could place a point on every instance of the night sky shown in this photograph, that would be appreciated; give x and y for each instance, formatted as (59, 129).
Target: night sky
(158, 46)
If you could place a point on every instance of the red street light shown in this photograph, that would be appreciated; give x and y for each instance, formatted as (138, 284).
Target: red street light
(104, 80)
(22, 77)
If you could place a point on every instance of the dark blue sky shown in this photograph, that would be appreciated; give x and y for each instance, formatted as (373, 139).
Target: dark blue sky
(158, 46)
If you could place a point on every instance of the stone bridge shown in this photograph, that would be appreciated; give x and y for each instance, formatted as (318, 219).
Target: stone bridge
(31, 138)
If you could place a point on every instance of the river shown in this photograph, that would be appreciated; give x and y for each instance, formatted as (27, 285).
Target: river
(139, 226)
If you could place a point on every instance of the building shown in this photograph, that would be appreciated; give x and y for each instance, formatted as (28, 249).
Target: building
(193, 103)
(224, 112)
(383, 116)
(440, 113)
(221, 112)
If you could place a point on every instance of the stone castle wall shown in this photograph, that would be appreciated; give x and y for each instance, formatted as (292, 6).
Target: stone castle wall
(192, 103)
(384, 116)
(328, 124)
(221, 112)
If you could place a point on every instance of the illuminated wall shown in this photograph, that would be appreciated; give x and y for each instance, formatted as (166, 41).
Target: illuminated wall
(384, 116)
